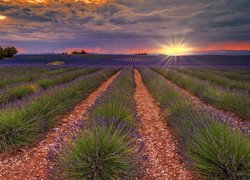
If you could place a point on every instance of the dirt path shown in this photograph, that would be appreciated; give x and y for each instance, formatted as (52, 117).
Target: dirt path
(160, 145)
(32, 163)
(229, 118)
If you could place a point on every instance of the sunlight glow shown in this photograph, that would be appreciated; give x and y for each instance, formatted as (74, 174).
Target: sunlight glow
(2, 17)
(176, 49)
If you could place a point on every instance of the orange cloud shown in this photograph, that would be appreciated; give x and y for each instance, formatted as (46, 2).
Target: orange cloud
(236, 46)
(56, 1)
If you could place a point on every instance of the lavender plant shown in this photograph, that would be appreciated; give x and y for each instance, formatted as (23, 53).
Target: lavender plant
(23, 125)
(215, 150)
(107, 149)
(234, 101)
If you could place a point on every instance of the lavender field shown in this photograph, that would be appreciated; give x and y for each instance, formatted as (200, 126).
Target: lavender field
(218, 61)
(124, 90)
(54, 117)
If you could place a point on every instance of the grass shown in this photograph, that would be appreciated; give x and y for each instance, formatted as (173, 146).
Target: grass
(23, 125)
(234, 101)
(215, 150)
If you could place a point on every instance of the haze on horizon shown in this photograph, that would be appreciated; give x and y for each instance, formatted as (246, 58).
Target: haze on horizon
(124, 26)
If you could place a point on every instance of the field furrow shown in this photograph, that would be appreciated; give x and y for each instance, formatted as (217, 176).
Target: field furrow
(33, 162)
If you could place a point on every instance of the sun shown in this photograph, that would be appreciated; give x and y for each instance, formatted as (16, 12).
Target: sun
(2, 17)
(176, 49)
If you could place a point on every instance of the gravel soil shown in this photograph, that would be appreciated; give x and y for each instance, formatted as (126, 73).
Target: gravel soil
(162, 160)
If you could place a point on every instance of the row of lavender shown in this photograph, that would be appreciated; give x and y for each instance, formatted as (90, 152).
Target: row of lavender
(236, 74)
(236, 101)
(13, 74)
(106, 148)
(218, 79)
(38, 82)
(214, 149)
(24, 122)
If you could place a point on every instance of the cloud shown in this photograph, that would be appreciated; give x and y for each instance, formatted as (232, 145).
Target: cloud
(123, 23)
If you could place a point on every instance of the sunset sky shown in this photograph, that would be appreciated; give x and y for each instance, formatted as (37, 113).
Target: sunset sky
(124, 26)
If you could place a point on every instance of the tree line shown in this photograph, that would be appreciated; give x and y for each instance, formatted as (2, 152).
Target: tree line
(7, 52)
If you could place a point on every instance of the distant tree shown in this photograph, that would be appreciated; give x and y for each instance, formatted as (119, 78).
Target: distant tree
(1, 49)
(8, 52)
(75, 52)
(81, 52)
(141, 54)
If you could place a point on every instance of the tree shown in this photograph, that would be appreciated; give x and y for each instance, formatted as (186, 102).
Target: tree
(81, 52)
(1, 49)
(8, 52)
